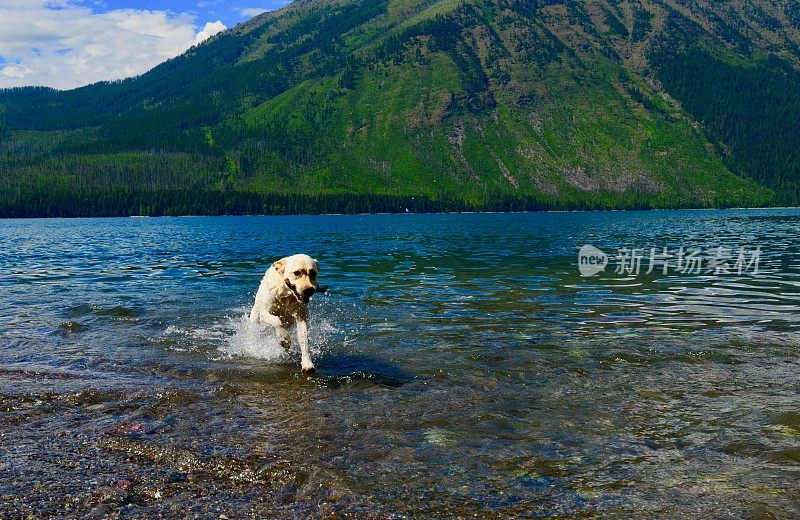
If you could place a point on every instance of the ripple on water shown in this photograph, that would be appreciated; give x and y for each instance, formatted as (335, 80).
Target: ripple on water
(464, 368)
(117, 312)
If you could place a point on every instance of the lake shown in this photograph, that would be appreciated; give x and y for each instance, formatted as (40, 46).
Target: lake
(464, 367)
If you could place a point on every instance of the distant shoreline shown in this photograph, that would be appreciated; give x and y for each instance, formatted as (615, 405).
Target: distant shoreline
(465, 212)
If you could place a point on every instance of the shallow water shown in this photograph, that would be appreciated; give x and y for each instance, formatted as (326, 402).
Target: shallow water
(464, 367)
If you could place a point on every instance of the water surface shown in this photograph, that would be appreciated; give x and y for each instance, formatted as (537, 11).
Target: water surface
(464, 367)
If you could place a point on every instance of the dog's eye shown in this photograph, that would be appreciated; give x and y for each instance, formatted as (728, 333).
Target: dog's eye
(298, 273)
(312, 274)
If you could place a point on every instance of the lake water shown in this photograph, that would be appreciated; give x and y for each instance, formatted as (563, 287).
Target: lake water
(464, 367)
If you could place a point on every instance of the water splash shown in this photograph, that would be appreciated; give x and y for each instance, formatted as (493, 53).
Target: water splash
(252, 340)
(233, 336)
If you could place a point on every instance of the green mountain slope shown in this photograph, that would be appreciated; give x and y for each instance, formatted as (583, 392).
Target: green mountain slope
(381, 105)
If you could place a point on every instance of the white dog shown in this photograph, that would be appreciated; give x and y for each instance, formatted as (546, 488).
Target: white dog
(282, 301)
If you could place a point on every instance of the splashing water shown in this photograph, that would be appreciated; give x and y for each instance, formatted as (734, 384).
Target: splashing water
(253, 340)
(236, 337)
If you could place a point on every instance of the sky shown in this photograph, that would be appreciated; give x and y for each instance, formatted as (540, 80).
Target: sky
(69, 43)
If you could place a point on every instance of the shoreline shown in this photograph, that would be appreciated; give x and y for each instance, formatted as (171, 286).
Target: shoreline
(384, 213)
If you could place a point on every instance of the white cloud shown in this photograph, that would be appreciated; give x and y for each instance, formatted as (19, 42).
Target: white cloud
(208, 31)
(15, 71)
(272, 5)
(252, 11)
(62, 44)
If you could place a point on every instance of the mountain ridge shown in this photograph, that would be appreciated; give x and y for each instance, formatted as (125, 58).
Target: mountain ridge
(469, 104)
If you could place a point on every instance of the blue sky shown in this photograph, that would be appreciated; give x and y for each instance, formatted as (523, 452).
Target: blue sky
(69, 43)
(230, 12)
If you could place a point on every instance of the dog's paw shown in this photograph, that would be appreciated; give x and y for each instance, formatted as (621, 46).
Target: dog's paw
(308, 369)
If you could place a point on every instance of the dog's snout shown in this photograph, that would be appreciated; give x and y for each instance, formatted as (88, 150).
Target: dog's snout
(308, 292)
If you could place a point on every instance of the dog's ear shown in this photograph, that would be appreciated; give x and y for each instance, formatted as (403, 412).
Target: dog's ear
(280, 265)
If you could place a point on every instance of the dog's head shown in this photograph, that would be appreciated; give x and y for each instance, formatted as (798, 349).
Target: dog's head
(299, 274)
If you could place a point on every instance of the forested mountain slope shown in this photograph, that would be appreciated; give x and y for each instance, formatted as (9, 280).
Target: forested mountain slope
(383, 105)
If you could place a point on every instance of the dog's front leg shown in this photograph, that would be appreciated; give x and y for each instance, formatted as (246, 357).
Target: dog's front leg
(284, 336)
(305, 354)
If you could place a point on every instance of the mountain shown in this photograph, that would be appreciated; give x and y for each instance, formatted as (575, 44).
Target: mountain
(381, 105)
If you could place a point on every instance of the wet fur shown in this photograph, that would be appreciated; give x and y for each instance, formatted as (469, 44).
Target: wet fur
(280, 301)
